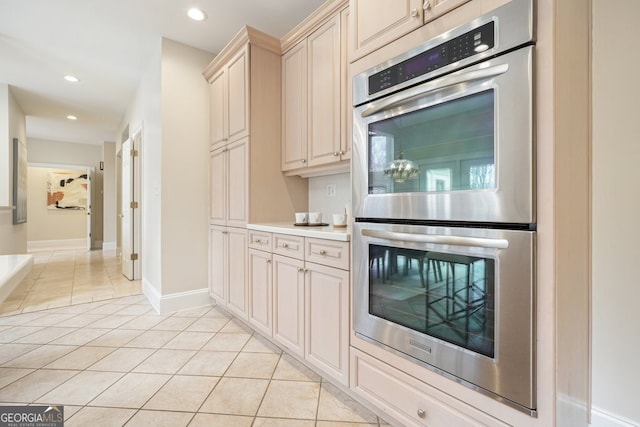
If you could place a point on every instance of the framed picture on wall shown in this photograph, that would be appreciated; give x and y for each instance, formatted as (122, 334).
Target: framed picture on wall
(19, 181)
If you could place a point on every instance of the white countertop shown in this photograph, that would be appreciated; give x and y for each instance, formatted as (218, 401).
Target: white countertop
(327, 232)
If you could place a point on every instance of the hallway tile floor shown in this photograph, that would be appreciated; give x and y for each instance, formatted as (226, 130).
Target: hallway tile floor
(114, 362)
(65, 277)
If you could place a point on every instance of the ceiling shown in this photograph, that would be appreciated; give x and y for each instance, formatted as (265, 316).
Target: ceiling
(108, 44)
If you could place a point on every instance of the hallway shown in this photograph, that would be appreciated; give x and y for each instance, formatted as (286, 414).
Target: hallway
(67, 277)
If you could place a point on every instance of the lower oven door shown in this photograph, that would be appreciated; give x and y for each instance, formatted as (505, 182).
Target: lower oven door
(457, 300)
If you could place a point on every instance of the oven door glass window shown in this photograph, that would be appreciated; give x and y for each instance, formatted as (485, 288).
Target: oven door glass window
(443, 295)
(444, 147)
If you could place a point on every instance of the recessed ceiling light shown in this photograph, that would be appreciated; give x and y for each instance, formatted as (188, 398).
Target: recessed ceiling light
(197, 14)
(72, 117)
(71, 78)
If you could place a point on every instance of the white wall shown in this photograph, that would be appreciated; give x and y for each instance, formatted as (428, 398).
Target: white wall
(144, 113)
(328, 205)
(616, 204)
(45, 224)
(171, 105)
(13, 238)
(185, 130)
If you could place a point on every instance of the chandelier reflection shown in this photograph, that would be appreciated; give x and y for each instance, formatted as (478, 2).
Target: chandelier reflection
(402, 169)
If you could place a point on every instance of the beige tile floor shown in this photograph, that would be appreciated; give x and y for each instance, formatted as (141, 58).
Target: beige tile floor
(65, 277)
(116, 362)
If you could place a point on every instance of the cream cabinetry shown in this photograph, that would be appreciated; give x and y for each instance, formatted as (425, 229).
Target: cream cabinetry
(309, 296)
(228, 186)
(375, 23)
(229, 100)
(228, 268)
(408, 400)
(246, 181)
(315, 108)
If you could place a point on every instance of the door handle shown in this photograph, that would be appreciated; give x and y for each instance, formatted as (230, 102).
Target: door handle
(434, 86)
(481, 242)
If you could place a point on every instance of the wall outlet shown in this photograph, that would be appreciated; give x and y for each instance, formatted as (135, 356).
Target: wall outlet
(331, 190)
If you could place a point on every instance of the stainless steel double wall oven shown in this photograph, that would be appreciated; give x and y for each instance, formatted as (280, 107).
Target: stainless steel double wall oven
(444, 205)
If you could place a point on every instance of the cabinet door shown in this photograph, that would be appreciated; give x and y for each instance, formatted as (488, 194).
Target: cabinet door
(237, 179)
(294, 107)
(346, 116)
(323, 117)
(218, 187)
(238, 95)
(260, 290)
(288, 303)
(379, 22)
(218, 264)
(327, 320)
(436, 8)
(217, 109)
(237, 271)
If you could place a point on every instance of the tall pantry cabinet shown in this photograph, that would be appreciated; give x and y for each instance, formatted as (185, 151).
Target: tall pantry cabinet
(246, 183)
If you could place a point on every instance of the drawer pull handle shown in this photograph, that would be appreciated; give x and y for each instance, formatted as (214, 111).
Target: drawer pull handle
(422, 413)
(323, 252)
(285, 245)
(258, 241)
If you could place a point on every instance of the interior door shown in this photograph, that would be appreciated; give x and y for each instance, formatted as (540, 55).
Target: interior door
(89, 219)
(130, 216)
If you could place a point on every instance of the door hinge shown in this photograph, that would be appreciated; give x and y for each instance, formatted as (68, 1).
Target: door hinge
(133, 205)
(133, 257)
(134, 153)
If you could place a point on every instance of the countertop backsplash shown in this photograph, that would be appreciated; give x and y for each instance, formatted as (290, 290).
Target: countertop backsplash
(320, 201)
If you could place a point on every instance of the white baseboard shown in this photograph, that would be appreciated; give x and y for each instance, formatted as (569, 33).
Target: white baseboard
(164, 304)
(49, 245)
(13, 270)
(109, 246)
(602, 418)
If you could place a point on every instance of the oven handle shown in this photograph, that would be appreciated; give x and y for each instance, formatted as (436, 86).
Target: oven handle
(436, 85)
(441, 239)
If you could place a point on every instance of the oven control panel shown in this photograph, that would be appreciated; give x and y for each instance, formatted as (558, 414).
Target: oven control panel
(461, 47)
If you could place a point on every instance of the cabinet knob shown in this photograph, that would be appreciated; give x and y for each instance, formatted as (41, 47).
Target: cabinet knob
(323, 252)
(422, 413)
(285, 245)
(414, 13)
(268, 261)
(304, 160)
(300, 269)
(336, 153)
(426, 5)
(341, 152)
(258, 241)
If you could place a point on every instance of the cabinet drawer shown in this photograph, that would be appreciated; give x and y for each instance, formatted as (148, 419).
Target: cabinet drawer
(327, 252)
(409, 400)
(287, 245)
(260, 240)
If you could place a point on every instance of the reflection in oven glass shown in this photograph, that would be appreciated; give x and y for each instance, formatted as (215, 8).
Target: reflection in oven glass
(444, 295)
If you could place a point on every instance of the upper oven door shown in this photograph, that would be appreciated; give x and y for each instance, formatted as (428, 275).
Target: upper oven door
(456, 148)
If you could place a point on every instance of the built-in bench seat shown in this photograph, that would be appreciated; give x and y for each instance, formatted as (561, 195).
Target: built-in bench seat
(13, 269)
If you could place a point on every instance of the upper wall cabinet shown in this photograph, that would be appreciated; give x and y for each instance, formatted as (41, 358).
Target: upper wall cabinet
(375, 23)
(229, 100)
(247, 184)
(315, 109)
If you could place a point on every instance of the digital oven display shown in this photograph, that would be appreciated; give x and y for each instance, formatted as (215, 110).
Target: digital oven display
(471, 43)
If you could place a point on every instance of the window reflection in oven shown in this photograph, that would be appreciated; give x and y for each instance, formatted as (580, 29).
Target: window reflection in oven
(444, 295)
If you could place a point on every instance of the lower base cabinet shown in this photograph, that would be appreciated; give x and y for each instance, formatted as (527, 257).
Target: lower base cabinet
(308, 301)
(409, 401)
(327, 320)
(228, 268)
